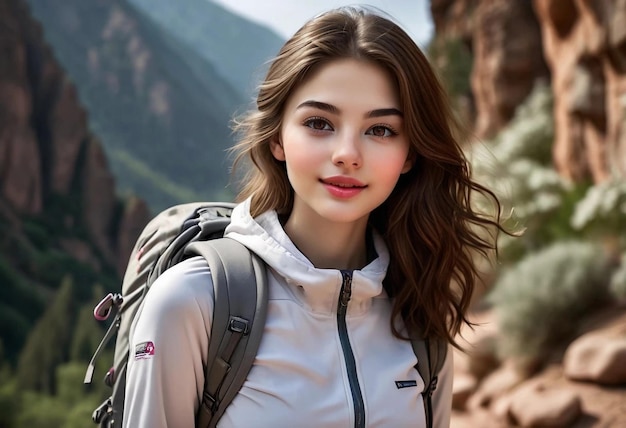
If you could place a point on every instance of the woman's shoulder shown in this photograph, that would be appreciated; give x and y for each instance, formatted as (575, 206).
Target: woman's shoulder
(184, 285)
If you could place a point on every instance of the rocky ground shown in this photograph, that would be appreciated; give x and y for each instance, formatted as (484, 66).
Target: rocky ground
(585, 386)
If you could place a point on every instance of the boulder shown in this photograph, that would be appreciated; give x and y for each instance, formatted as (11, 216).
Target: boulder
(597, 357)
(534, 406)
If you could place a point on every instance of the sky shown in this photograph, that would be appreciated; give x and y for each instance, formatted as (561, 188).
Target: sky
(286, 16)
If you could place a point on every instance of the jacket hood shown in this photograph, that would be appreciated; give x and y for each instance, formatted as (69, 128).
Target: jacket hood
(316, 288)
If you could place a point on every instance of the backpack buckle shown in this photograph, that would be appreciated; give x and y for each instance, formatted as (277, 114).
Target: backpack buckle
(210, 403)
(238, 325)
(102, 411)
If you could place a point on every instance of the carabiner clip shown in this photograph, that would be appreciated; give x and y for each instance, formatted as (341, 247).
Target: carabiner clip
(103, 309)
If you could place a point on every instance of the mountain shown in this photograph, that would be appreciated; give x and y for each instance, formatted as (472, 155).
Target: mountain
(161, 110)
(238, 48)
(59, 217)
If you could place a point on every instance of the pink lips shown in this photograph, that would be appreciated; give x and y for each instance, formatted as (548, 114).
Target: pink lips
(343, 187)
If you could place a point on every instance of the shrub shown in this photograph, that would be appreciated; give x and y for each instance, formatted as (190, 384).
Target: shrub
(529, 135)
(517, 166)
(453, 59)
(9, 396)
(602, 211)
(618, 280)
(37, 233)
(540, 301)
(41, 411)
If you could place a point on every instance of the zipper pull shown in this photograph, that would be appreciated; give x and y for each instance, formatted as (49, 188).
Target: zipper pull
(346, 290)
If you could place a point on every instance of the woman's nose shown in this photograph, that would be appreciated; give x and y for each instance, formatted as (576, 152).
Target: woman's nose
(347, 150)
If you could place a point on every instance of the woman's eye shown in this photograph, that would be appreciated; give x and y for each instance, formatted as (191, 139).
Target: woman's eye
(318, 124)
(381, 131)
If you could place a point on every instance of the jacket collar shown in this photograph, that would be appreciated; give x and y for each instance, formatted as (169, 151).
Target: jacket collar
(317, 289)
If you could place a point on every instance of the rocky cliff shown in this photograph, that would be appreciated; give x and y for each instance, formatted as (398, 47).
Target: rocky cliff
(579, 48)
(48, 152)
(584, 43)
(578, 45)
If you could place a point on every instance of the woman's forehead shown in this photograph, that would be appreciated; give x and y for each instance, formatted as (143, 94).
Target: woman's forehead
(347, 83)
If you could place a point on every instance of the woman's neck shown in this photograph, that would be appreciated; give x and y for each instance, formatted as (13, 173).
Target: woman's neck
(329, 245)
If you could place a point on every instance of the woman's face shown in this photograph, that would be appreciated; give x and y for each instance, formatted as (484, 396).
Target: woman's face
(343, 142)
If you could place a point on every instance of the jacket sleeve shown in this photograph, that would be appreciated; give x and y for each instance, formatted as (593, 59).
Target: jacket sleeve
(168, 348)
(442, 397)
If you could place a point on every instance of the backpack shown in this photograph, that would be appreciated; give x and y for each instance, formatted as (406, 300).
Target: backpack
(189, 230)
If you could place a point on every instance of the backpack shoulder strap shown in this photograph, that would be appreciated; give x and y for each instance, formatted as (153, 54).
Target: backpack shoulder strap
(431, 356)
(240, 288)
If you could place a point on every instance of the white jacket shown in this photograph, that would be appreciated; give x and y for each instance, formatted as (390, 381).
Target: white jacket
(313, 369)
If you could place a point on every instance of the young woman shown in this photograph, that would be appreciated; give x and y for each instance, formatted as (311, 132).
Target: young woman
(358, 200)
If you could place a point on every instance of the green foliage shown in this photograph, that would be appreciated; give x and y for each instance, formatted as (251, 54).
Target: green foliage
(516, 165)
(162, 190)
(70, 407)
(20, 305)
(16, 291)
(37, 234)
(540, 301)
(453, 59)
(32, 265)
(62, 216)
(48, 343)
(527, 138)
(51, 266)
(41, 411)
(9, 399)
(88, 332)
(618, 280)
(602, 211)
(79, 415)
(530, 134)
(70, 390)
(14, 328)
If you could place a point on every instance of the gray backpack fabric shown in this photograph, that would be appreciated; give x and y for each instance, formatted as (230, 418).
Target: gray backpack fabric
(240, 288)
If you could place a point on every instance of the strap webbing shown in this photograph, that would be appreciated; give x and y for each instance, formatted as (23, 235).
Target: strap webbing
(240, 288)
(431, 355)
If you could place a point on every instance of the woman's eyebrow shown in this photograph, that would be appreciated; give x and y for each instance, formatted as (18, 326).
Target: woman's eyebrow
(334, 110)
(320, 105)
(384, 112)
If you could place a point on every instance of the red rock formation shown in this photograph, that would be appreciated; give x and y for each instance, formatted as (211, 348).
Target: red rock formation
(67, 128)
(504, 397)
(20, 169)
(584, 42)
(46, 148)
(453, 18)
(508, 61)
(505, 40)
(98, 195)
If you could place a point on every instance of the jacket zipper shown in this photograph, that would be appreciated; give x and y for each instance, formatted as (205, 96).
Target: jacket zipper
(355, 388)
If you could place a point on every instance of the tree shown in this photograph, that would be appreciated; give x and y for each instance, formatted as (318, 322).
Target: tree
(9, 399)
(48, 343)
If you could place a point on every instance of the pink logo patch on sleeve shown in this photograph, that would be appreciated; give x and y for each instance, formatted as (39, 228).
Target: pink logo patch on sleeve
(144, 350)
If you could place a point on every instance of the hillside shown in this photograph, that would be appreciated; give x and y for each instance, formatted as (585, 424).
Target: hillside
(160, 108)
(237, 48)
(59, 215)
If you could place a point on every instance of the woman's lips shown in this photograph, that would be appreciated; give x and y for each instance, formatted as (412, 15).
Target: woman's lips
(343, 187)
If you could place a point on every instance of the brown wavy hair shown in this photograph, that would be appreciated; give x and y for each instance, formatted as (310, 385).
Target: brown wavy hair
(428, 222)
